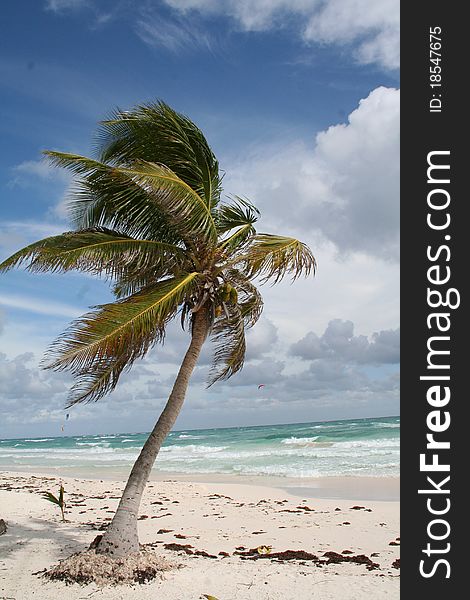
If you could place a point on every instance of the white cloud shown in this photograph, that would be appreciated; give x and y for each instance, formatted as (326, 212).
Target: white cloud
(332, 383)
(338, 343)
(261, 339)
(371, 28)
(346, 188)
(28, 394)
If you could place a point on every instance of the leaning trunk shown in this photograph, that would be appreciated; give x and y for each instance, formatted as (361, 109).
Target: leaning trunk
(121, 537)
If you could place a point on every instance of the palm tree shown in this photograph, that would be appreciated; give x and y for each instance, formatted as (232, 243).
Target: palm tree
(148, 216)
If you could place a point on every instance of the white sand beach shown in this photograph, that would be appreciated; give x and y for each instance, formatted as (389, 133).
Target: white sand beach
(216, 518)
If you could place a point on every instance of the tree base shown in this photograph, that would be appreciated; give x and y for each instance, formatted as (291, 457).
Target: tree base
(90, 567)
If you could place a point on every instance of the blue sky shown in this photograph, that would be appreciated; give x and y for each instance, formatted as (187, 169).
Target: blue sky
(300, 101)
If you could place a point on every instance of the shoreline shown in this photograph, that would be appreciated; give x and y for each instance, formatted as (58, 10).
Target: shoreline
(385, 489)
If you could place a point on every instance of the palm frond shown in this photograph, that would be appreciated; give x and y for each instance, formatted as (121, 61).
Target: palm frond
(133, 282)
(98, 251)
(240, 215)
(120, 332)
(250, 301)
(98, 380)
(236, 214)
(157, 133)
(116, 202)
(274, 256)
(183, 206)
(236, 242)
(228, 335)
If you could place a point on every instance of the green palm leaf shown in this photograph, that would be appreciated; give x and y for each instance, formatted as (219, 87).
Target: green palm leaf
(98, 380)
(133, 282)
(250, 301)
(98, 251)
(238, 213)
(228, 335)
(274, 256)
(120, 332)
(112, 200)
(157, 133)
(182, 205)
(237, 240)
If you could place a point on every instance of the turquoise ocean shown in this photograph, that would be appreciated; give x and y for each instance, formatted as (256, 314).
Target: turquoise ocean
(359, 447)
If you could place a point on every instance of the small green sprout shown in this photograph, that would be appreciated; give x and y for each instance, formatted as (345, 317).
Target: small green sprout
(59, 501)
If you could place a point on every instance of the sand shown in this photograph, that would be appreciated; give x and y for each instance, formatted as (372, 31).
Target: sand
(213, 517)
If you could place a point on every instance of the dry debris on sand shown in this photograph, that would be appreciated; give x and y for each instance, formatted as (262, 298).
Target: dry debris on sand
(87, 567)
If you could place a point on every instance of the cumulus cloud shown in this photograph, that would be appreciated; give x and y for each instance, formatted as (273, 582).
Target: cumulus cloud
(266, 371)
(373, 26)
(334, 380)
(338, 361)
(338, 343)
(346, 188)
(31, 395)
(261, 339)
(28, 394)
(326, 388)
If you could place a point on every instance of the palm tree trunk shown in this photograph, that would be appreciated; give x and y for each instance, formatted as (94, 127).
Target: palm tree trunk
(121, 537)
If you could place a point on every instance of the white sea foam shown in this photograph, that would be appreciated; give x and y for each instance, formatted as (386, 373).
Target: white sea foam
(192, 449)
(58, 451)
(310, 450)
(100, 444)
(392, 443)
(299, 441)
